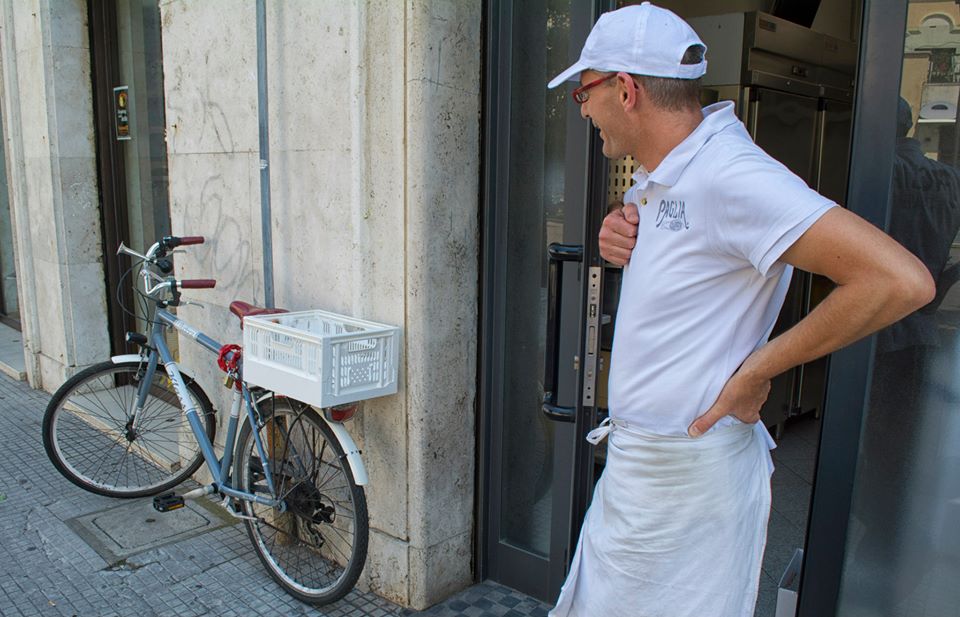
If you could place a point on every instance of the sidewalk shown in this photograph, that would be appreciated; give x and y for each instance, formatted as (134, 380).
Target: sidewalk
(48, 566)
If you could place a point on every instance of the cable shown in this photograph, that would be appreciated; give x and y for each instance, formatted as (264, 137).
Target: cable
(142, 297)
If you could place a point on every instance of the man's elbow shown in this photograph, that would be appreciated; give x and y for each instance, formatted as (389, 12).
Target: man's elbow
(915, 288)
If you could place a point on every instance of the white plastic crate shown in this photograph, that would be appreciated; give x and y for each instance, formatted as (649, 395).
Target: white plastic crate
(320, 358)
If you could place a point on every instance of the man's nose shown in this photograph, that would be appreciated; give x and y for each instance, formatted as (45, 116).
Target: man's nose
(583, 111)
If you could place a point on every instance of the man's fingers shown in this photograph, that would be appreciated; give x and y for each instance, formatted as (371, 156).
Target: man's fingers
(632, 214)
(618, 224)
(610, 236)
(618, 235)
(705, 422)
(616, 256)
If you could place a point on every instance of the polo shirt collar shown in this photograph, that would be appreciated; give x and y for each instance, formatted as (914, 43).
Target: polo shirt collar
(716, 117)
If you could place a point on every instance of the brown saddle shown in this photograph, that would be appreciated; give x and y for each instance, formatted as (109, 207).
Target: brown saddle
(243, 309)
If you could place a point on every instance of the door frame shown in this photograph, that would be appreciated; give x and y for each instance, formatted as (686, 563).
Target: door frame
(105, 64)
(524, 571)
(848, 380)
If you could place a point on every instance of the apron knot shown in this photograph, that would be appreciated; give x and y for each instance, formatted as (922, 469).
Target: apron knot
(600, 433)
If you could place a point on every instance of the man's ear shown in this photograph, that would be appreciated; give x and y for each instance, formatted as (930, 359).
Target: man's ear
(629, 90)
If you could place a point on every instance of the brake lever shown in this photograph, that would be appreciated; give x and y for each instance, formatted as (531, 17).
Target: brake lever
(183, 302)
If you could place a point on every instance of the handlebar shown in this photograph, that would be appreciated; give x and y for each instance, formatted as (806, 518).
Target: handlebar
(197, 284)
(155, 259)
(160, 249)
(174, 241)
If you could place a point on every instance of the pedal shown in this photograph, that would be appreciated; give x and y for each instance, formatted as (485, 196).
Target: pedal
(167, 502)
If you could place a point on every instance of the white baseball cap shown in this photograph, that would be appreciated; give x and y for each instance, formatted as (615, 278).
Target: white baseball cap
(640, 40)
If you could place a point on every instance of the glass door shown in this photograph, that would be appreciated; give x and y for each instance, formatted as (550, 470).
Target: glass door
(883, 537)
(129, 106)
(538, 171)
(144, 151)
(902, 550)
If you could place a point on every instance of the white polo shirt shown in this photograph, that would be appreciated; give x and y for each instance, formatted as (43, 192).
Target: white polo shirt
(704, 286)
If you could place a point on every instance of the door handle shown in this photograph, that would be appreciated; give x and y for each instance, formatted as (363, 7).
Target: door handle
(557, 254)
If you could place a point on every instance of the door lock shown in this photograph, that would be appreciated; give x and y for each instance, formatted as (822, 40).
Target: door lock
(592, 344)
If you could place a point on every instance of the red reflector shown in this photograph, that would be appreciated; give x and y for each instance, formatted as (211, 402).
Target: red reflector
(342, 413)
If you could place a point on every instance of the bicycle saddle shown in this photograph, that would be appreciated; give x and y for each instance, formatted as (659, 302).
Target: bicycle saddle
(243, 309)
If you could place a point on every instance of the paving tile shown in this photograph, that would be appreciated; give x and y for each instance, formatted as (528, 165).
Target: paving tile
(47, 569)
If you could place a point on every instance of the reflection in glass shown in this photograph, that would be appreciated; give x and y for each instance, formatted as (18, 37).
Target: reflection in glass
(534, 220)
(145, 169)
(903, 551)
(145, 154)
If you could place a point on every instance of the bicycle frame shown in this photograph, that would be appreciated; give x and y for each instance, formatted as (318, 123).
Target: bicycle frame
(219, 469)
(120, 428)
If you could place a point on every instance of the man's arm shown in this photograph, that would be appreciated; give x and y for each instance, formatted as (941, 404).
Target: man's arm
(878, 282)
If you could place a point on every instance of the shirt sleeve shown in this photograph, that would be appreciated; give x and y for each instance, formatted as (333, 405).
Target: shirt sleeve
(763, 208)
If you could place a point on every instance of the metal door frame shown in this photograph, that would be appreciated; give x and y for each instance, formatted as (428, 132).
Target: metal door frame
(105, 64)
(868, 194)
(523, 567)
(848, 380)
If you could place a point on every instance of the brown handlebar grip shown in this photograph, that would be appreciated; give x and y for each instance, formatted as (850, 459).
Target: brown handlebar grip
(198, 284)
(185, 240)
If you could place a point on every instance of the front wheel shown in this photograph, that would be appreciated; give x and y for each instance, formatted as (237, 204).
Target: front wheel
(317, 545)
(97, 439)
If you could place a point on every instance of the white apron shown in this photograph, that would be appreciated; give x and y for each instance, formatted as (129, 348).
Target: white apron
(676, 528)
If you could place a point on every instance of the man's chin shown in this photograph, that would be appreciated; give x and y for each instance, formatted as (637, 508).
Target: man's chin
(610, 153)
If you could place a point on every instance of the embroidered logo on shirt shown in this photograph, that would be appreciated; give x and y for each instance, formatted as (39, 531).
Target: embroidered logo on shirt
(672, 215)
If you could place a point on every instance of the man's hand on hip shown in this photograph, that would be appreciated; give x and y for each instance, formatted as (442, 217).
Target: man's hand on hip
(618, 235)
(878, 282)
(742, 397)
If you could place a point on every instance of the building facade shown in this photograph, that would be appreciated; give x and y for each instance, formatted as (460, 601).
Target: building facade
(418, 173)
(366, 119)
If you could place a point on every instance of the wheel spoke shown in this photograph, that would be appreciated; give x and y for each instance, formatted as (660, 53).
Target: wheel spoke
(316, 560)
(86, 427)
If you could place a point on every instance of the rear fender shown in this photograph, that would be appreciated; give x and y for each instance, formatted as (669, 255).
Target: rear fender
(357, 469)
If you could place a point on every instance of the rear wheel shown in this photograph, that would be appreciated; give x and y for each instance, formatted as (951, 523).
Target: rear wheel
(93, 437)
(316, 547)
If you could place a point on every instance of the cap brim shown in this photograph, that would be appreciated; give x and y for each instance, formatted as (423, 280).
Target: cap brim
(571, 73)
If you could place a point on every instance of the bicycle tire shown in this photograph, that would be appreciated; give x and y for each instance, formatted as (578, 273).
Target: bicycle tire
(317, 548)
(87, 418)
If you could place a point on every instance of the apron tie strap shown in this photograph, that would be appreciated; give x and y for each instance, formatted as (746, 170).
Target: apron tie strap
(600, 433)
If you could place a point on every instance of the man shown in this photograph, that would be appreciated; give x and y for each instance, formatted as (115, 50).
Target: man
(708, 238)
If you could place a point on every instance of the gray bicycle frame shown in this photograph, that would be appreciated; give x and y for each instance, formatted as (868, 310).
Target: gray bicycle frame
(218, 469)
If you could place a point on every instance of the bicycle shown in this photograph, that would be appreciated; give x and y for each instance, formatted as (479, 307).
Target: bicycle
(136, 425)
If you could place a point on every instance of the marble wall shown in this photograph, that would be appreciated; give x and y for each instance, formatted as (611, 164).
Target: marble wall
(51, 164)
(374, 172)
